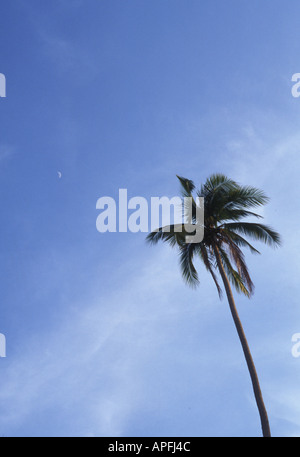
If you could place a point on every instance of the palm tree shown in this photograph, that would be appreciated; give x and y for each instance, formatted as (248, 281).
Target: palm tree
(225, 204)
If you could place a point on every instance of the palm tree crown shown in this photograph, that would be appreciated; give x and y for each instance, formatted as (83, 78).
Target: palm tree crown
(225, 204)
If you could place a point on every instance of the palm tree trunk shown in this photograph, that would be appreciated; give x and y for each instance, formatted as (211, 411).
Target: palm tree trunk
(251, 367)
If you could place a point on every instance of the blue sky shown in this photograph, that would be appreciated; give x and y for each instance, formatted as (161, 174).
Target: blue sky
(103, 337)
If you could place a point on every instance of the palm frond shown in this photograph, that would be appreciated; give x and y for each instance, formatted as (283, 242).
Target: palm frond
(255, 231)
(237, 257)
(208, 262)
(214, 191)
(225, 199)
(187, 186)
(234, 214)
(240, 241)
(217, 183)
(246, 197)
(189, 272)
(233, 276)
(174, 234)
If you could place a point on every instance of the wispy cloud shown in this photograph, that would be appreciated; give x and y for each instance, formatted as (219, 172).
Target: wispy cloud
(92, 366)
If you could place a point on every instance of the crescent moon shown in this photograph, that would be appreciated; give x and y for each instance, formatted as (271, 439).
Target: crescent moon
(59, 174)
